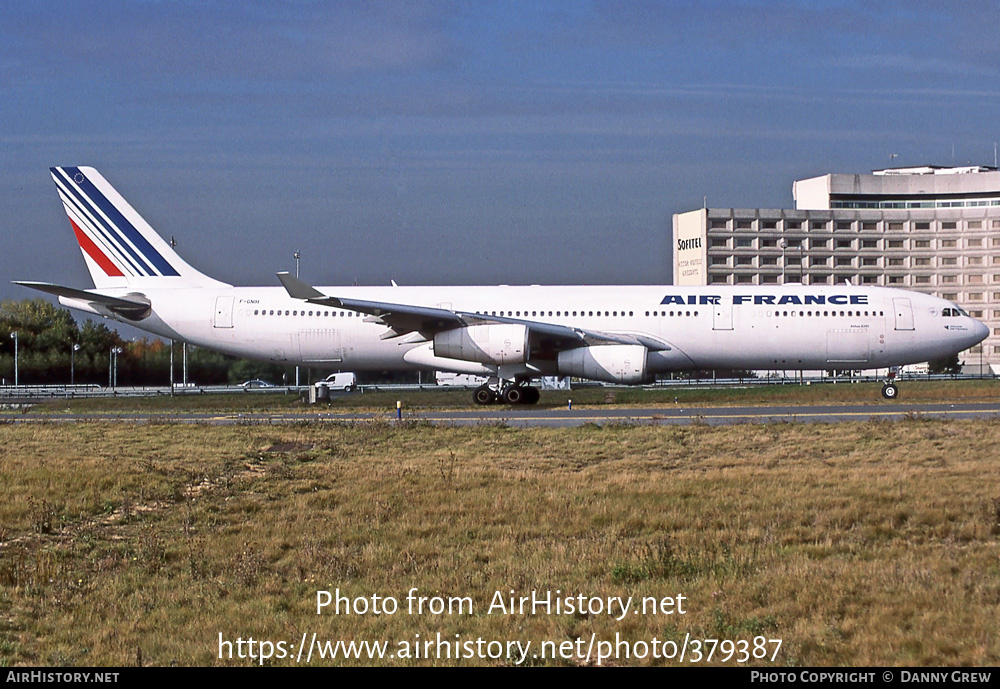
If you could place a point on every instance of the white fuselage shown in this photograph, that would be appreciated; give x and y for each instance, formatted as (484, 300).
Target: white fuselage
(714, 327)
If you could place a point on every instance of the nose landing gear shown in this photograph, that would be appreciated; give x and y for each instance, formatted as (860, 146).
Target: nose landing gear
(890, 390)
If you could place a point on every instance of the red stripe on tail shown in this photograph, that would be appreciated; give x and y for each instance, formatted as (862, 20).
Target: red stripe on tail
(95, 253)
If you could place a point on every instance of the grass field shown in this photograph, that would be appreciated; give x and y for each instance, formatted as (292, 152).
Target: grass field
(586, 397)
(855, 544)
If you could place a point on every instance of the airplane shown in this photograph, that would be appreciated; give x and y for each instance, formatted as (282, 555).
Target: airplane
(510, 334)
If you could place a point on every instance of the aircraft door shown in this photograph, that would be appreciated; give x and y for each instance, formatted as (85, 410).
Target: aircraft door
(904, 314)
(722, 318)
(224, 312)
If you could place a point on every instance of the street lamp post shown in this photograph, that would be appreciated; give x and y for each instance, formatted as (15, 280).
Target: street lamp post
(13, 336)
(297, 256)
(113, 367)
(72, 363)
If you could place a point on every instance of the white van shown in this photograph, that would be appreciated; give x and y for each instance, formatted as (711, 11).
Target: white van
(341, 381)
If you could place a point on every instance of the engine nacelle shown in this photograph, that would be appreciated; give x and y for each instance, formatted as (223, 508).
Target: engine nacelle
(608, 363)
(500, 343)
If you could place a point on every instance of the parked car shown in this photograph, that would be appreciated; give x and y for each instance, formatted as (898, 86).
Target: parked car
(256, 383)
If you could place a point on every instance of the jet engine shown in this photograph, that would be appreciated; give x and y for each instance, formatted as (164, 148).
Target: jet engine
(608, 363)
(500, 343)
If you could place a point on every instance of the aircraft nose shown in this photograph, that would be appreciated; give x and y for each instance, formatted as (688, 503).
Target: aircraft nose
(981, 330)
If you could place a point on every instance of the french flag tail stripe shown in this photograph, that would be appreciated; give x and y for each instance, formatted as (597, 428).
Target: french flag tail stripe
(93, 219)
(109, 222)
(91, 228)
(92, 250)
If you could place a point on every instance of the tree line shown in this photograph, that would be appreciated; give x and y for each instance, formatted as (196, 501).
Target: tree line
(53, 349)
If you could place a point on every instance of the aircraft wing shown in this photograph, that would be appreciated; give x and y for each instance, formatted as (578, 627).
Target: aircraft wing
(130, 308)
(402, 319)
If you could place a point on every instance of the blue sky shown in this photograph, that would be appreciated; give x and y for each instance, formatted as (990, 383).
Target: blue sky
(466, 142)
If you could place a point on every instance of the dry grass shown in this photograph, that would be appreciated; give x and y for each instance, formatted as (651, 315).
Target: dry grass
(856, 544)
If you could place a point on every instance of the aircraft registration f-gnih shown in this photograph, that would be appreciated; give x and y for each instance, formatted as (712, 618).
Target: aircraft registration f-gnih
(512, 335)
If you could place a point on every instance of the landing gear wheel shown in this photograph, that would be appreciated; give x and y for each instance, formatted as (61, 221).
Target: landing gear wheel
(483, 395)
(890, 391)
(531, 395)
(514, 395)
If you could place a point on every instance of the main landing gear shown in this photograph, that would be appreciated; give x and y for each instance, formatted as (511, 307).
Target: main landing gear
(511, 393)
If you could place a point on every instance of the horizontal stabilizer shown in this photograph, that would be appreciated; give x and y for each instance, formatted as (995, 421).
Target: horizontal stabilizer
(135, 308)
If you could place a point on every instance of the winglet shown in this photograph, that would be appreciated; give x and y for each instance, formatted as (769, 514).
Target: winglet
(299, 290)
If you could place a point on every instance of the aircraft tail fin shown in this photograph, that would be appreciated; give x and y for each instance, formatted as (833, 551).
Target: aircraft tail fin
(118, 245)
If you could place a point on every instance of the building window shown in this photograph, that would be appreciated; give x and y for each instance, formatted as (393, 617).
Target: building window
(948, 243)
(719, 224)
(922, 280)
(922, 226)
(844, 244)
(921, 244)
(948, 279)
(842, 225)
(975, 260)
(720, 243)
(949, 261)
(948, 226)
(895, 227)
(894, 244)
(817, 225)
(975, 225)
(744, 224)
(973, 243)
(921, 262)
(869, 226)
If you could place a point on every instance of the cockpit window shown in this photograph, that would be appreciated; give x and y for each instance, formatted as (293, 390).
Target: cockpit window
(953, 312)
